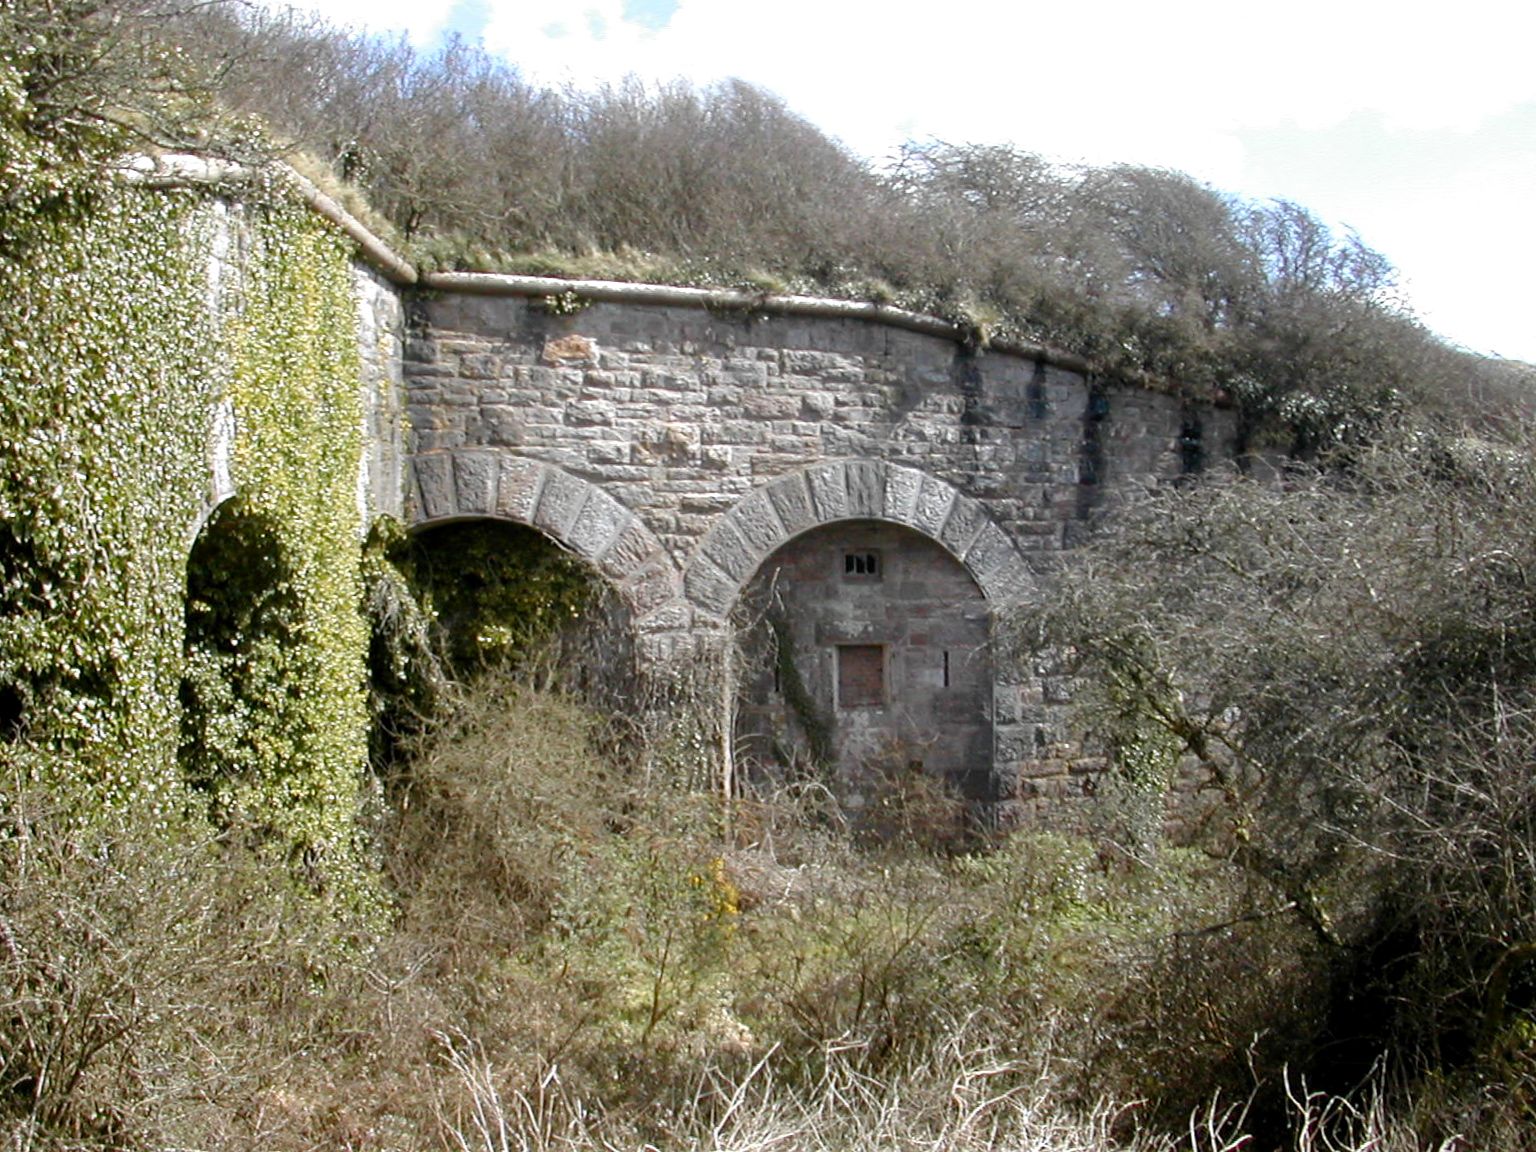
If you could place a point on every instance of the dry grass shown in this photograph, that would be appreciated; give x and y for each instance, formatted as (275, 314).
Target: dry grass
(580, 964)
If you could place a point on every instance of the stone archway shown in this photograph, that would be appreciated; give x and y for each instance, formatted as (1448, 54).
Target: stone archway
(817, 522)
(852, 490)
(868, 651)
(465, 484)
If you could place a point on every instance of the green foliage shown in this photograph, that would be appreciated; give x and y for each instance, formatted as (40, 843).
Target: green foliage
(293, 341)
(109, 370)
(115, 347)
(495, 590)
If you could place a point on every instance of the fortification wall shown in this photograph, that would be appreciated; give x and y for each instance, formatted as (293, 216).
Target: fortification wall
(680, 413)
(683, 449)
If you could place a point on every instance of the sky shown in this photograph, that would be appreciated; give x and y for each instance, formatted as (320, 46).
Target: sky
(1416, 128)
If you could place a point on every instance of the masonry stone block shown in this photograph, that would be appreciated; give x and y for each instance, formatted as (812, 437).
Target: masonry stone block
(517, 488)
(963, 524)
(1011, 585)
(934, 499)
(710, 588)
(663, 647)
(792, 500)
(1015, 743)
(434, 485)
(569, 349)
(989, 553)
(474, 481)
(599, 523)
(729, 552)
(634, 547)
(901, 489)
(758, 524)
(1003, 780)
(579, 413)
(560, 502)
(675, 615)
(865, 483)
(829, 491)
(651, 587)
(818, 405)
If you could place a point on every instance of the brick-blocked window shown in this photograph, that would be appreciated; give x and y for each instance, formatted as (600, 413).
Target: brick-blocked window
(860, 675)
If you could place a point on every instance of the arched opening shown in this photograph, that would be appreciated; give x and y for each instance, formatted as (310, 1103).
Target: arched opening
(867, 659)
(244, 661)
(496, 589)
(502, 593)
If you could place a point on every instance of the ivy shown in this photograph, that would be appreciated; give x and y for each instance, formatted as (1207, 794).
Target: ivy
(495, 590)
(291, 653)
(122, 330)
(107, 369)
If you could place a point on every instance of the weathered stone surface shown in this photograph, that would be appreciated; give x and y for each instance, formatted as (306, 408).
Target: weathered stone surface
(474, 480)
(642, 435)
(572, 349)
(864, 481)
(934, 499)
(901, 489)
(757, 522)
(651, 587)
(598, 525)
(964, 523)
(726, 549)
(792, 500)
(517, 489)
(1011, 585)
(710, 588)
(630, 551)
(829, 491)
(434, 485)
(560, 503)
(989, 553)
(674, 615)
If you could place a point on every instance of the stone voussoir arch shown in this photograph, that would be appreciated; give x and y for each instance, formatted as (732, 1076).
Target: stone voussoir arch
(499, 484)
(854, 489)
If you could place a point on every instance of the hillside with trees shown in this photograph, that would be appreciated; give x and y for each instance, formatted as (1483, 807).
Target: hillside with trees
(531, 932)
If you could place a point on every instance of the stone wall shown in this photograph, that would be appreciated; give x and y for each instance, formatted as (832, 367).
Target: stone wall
(678, 448)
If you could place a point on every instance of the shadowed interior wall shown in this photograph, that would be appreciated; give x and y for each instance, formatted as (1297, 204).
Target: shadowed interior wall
(887, 635)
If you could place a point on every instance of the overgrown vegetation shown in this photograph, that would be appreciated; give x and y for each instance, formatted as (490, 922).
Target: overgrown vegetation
(123, 333)
(1347, 660)
(550, 940)
(578, 957)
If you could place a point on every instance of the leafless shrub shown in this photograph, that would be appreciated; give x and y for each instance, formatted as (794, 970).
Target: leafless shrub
(1351, 657)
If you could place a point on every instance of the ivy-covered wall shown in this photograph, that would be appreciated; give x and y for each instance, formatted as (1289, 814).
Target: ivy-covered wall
(130, 317)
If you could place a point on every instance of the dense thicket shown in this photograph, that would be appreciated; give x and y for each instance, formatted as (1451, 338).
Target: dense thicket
(1350, 659)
